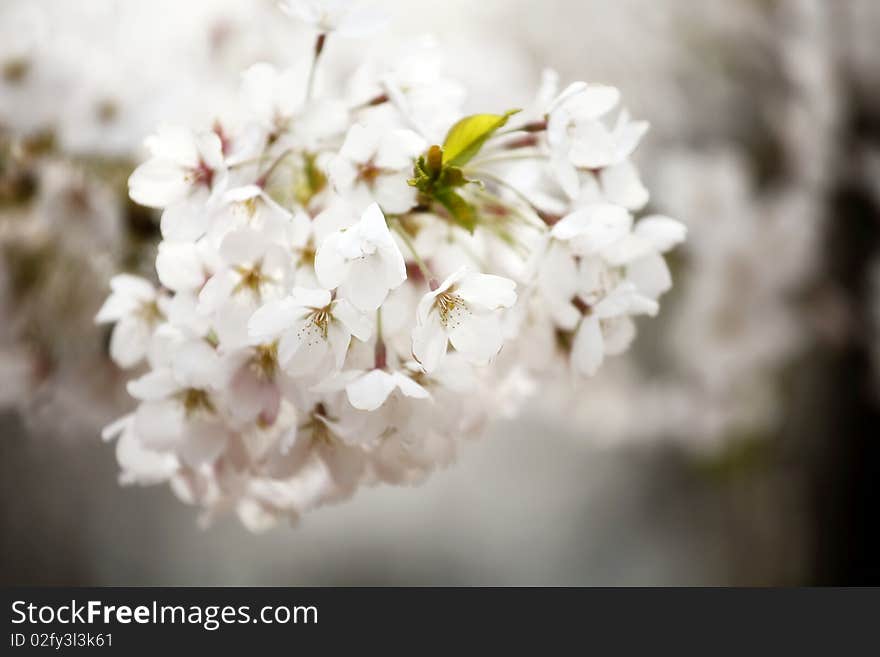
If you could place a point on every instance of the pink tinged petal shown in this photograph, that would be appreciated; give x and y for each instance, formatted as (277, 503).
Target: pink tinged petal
(330, 265)
(621, 185)
(160, 424)
(588, 349)
(179, 266)
(487, 290)
(369, 392)
(429, 342)
(154, 385)
(356, 322)
(140, 465)
(129, 341)
(254, 397)
(345, 465)
(650, 275)
(478, 338)
(202, 442)
(293, 444)
(662, 232)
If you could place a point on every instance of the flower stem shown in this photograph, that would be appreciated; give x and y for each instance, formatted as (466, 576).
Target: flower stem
(498, 180)
(380, 354)
(507, 157)
(532, 126)
(264, 178)
(319, 48)
(426, 272)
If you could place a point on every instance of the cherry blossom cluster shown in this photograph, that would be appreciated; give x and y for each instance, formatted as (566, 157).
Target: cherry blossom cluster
(339, 271)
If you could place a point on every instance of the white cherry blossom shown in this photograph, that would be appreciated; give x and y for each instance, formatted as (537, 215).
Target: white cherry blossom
(462, 311)
(312, 329)
(362, 261)
(181, 162)
(344, 17)
(136, 307)
(374, 165)
(305, 217)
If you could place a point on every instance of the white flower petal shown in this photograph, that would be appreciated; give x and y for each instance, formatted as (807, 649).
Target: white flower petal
(588, 349)
(478, 338)
(429, 342)
(129, 341)
(487, 290)
(369, 392)
(357, 323)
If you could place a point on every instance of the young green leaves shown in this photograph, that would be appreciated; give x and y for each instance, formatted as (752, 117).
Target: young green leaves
(438, 174)
(466, 138)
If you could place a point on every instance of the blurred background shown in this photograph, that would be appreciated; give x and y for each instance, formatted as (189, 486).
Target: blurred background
(737, 443)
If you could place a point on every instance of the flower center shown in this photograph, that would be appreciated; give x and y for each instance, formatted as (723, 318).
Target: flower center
(265, 360)
(150, 313)
(202, 174)
(196, 400)
(368, 172)
(316, 327)
(452, 309)
(252, 279)
(248, 206)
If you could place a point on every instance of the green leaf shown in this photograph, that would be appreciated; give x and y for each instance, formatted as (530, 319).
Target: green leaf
(462, 211)
(466, 138)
